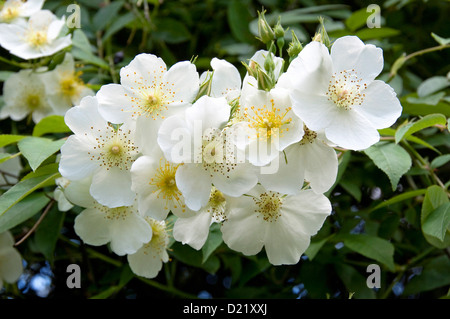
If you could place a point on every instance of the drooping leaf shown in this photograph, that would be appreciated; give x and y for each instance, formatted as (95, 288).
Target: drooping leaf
(440, 40)
(50, 124)
(372, 247)
(440, 161)
(432, 85)
(37, 149)
(400, 198)
(392, 159)
(23, 210)
(435, 197)
(413, 127)
(6, 139)
(437, 223)
(23, 188)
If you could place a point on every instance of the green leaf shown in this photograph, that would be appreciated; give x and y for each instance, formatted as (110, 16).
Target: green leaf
(440, 40)
(413, 127)
(437, 222)
(412, 105)
(118, 24)
(23, 210)
(392, 159)
(22, 189)
(411, 138)
(351, 187)
(354, 282)
(376, 33)
(435, 197)
(82, 50)
(48, 232)
(400, 198)
(4, 157)
(315, 246)
(372, 247)
(435, 274)
(6, 139)
(238, 19)
(190, 256)
(214, 240)
(358, 19)
(104, 15)
(38, 149)
(51, 124)
(171, 31)
(432, 99)
(81, 42)
(432, 85)
(440, 161)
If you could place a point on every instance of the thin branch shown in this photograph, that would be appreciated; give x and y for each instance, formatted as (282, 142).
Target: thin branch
(41, 218)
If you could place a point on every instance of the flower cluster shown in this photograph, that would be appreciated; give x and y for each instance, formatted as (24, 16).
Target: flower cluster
(255, 155)
(29, 32)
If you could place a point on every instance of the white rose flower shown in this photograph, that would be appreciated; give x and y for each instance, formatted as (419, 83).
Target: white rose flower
(198, 142)
(64, 86)
(10, 260)
(24, 94)
(337, 93)
(268, 125)
(100, 150)
(153, 180)
(282, 224)
(148, 93)
(148, 260)
(36, 38)
(14, 10)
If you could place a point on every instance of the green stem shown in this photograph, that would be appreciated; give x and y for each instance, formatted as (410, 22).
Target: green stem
(13, 63)
(432, 49)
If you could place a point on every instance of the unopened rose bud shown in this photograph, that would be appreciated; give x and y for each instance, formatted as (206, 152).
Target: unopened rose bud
(266, 33)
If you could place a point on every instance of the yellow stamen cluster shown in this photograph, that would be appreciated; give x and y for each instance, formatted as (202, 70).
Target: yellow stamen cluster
(164, 181)
(10, 11)
(218, 156)
(308, 136)
(216, 205)
(151, 99)
(114, 148)
(268, 121)
(268, 206)
(345, 88)
(160, 238)
(70, 84)
(33, 101)
(37, 38)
